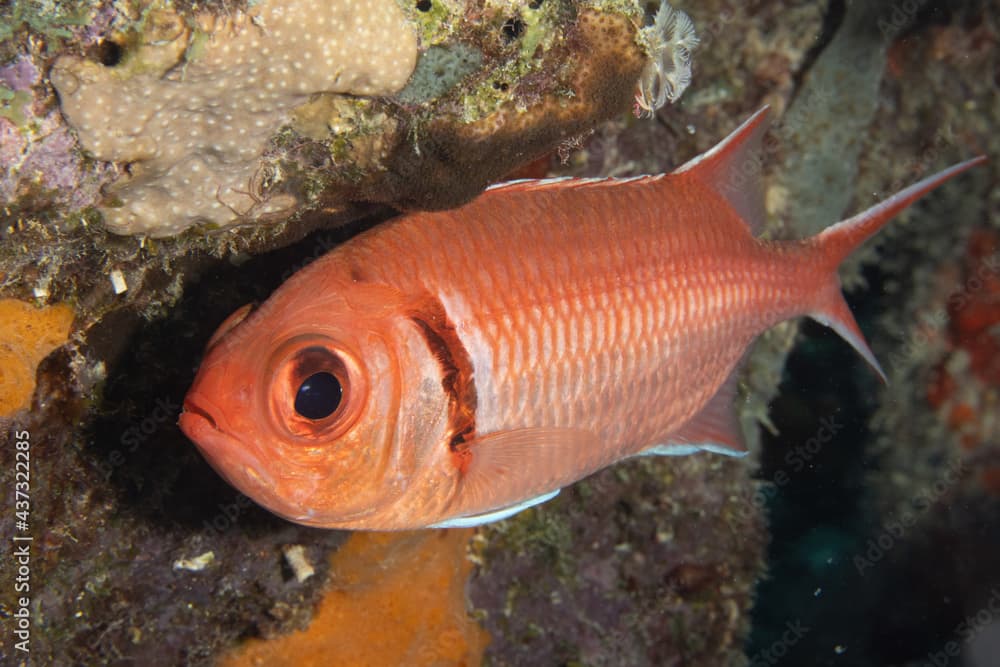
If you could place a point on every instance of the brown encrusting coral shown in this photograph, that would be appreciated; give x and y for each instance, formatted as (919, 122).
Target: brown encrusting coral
(449, 162)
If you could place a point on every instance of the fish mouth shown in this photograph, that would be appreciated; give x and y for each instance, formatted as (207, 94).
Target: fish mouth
(197, 420)
(237, 462)
(192, 411)
(233, 459)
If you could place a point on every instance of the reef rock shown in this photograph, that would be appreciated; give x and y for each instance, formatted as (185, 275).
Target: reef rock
(265, 113)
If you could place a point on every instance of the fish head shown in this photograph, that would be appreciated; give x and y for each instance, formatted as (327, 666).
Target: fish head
(328, 410)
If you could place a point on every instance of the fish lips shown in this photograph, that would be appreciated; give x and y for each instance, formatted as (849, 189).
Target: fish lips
(230, 457)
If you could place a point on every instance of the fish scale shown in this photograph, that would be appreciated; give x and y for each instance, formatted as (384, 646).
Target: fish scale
(635, 277)
(488, 356)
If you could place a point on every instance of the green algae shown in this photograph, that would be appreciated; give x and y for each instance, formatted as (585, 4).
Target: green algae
(53, 20)
(12, 105)
(435, 21)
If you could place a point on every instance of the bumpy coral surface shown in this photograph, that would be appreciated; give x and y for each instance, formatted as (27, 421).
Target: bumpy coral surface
(191, 111)
(27, 335)
(394, 599)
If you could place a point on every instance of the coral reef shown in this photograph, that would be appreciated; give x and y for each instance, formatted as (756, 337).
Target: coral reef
(27, 335)
(40, 168)
(142, 554)
(972, 351)
(192, 108)
(891, 533)
(206, 120)
(940, 278)
(393, 599)
(650, 563)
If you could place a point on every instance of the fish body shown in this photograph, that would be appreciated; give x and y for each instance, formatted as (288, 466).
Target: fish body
(452, 368)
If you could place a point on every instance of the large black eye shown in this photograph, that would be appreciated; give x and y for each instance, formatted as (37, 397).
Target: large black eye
(318, 396)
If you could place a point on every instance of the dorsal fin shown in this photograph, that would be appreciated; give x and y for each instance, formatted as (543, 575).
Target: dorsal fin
(733, 169)
(567, 182)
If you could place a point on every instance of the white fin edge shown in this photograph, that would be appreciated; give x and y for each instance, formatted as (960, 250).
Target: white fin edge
(533, 183)
(687, 450)
(490, 517)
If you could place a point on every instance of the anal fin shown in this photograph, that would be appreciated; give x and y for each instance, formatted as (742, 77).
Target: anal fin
(715, 428)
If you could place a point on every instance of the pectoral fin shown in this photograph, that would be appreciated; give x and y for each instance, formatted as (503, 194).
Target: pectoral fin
(508, 471)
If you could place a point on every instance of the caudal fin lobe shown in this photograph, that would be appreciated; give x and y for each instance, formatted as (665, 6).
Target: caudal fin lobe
(838, 241)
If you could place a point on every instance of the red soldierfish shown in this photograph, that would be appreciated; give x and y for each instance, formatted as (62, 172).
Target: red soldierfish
(452, 368)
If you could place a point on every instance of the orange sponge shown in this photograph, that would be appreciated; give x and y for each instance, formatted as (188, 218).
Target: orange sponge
(27, 335)
(394, 599)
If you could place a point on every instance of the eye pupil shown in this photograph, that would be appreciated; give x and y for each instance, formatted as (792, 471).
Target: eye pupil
(318, 396)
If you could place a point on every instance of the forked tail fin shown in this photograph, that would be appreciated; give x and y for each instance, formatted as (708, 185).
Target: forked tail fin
(841, 239)
(838, 241)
